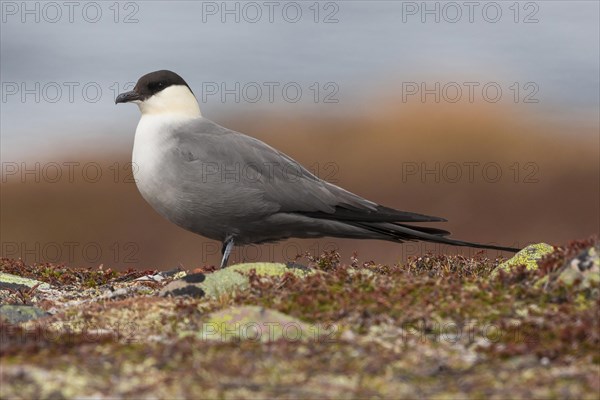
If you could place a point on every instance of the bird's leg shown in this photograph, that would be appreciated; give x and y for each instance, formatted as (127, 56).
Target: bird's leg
(226, 250)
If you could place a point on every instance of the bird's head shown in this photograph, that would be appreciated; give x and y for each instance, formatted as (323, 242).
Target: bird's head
(162, 92)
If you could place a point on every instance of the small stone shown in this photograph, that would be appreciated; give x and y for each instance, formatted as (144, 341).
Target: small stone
(16, 314)
(189, 290)
(150, 278)
(194, 278)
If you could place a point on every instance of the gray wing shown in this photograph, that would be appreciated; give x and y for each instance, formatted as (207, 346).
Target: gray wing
(269, 181)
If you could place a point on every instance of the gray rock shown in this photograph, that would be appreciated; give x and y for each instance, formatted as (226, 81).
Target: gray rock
(16, 314)
(583, 270)
(581, 273)
(226, 280)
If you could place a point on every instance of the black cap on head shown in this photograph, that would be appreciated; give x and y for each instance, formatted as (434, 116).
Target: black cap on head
(150, 84)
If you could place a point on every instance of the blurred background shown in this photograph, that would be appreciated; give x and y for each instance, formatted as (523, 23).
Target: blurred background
(484, 113)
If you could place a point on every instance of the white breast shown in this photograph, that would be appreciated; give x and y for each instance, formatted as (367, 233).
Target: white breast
(153, 141)
(148, 148)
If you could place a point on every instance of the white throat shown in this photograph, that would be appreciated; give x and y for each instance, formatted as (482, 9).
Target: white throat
(176, 101)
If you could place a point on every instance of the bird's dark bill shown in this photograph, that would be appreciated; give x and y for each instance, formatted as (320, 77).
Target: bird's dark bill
(128, 97)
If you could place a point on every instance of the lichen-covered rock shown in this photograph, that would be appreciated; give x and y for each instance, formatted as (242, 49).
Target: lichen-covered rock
(529, 256)
(259, 324)
(227, 280)
(15, 314)
(14, 282)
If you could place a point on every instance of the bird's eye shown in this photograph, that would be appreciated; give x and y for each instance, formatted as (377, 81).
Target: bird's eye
(156, 86)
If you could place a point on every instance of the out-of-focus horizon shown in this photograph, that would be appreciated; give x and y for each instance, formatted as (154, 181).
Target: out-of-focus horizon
(488, 119)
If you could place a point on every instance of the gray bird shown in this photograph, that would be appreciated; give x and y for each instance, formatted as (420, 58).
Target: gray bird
(236, 189)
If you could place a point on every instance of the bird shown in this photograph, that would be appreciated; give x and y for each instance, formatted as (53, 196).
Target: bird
(231, 187)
